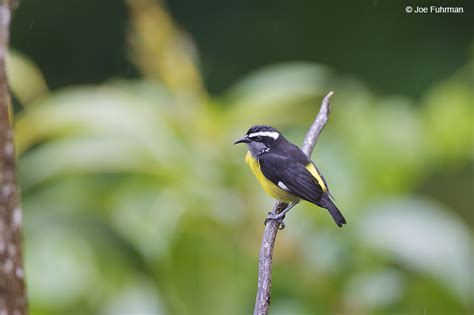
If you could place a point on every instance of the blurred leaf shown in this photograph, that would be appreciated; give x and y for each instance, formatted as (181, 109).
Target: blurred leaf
(162, 52)
(274, 91)
(425, 237)
(90, 111)
(375, 290)
(137, 298)
(141, 210)
(449, 120)
(60, 266)
(24, 77)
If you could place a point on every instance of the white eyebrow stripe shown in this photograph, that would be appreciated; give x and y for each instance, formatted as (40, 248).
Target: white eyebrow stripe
(272, 134)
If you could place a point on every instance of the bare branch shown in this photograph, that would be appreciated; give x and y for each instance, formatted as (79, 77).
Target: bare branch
(12, 288)
(265, 259)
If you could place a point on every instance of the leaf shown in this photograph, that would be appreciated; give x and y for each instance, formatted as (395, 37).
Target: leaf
(25, 78)
(425, 237)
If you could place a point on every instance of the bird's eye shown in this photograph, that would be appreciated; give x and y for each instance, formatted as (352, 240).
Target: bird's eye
(257, 138)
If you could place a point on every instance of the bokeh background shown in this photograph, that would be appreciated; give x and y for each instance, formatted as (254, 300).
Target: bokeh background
(136, 202)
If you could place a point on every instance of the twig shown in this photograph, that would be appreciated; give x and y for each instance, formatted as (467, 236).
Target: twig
(12, 286)
(262, 301)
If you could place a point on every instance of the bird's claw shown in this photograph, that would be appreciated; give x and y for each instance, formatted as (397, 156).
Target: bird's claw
(281, 224)
(275, 217)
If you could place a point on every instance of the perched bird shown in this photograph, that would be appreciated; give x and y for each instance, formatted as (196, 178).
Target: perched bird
(285, 172)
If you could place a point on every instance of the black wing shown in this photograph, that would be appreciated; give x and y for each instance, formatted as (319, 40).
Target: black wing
(292, 174)
(293, 151)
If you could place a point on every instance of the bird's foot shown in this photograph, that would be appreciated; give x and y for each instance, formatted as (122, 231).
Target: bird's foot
(276, 217)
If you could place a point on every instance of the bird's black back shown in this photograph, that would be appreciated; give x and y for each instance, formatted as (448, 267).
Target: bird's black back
(285, 148)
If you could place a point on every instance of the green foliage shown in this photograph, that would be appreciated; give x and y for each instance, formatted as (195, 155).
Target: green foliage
(136, 202)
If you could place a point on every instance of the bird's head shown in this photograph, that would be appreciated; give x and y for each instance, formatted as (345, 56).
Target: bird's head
(260, 138)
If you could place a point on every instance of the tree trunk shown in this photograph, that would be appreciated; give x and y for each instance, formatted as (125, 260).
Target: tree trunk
(12, 288)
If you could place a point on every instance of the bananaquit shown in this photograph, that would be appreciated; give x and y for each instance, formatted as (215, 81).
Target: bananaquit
(285, 172)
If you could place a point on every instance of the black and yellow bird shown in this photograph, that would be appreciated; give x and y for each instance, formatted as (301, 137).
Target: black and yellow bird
(285, 172)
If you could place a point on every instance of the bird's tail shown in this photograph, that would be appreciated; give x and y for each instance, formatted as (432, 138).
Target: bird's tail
(333, 210)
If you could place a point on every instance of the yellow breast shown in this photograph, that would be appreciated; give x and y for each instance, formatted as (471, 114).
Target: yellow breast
(270, 188)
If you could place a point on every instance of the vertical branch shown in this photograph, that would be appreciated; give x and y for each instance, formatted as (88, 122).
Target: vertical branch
(265, 259)
(12, 288)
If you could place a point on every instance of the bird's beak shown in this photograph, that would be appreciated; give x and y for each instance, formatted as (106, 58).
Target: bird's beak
(242, 140)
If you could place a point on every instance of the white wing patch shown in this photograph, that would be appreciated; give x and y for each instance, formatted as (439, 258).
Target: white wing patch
(283, 186)
(272, 134)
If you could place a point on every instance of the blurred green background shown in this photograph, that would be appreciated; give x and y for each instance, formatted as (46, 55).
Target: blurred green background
(136, 202)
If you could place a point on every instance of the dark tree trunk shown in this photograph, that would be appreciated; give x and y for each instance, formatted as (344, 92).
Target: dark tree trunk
(12, 288)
